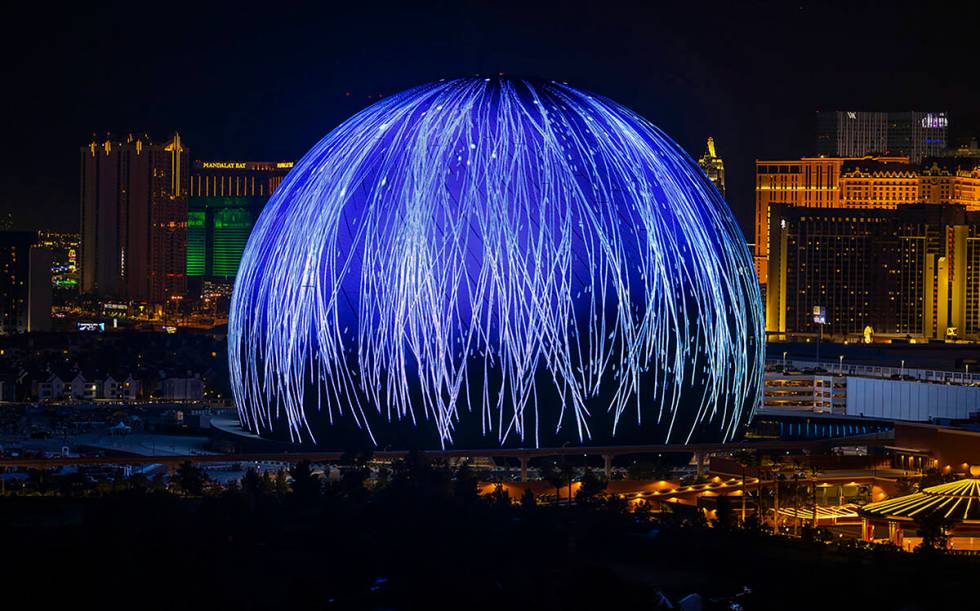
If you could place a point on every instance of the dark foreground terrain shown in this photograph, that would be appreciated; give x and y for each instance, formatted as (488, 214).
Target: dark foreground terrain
(425, 539)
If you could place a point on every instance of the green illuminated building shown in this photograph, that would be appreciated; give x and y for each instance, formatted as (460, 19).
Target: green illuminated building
(226, 198)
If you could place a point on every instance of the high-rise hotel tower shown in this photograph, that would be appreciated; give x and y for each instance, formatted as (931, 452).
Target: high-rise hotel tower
(911, 134)
(134, 219)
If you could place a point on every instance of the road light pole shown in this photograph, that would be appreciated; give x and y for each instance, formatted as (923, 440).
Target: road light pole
(819, 339)
(784, 361)
(840, 365)
(819, 319)
(743, 493)
(775, 504)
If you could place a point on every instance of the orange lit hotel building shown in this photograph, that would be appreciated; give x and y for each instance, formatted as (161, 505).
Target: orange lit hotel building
(885, 247)
(858, 183)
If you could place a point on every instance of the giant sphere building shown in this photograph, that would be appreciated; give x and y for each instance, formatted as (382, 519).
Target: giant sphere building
(496, 262)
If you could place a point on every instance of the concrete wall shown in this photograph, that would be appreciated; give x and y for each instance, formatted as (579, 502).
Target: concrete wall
(916, 401)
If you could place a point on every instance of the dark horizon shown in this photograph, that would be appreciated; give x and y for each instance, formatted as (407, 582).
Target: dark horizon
(252, 83)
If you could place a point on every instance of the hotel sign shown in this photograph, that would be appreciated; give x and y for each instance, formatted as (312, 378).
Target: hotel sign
(260, 166)
(935, 120)
(223, 165)
(820, 315)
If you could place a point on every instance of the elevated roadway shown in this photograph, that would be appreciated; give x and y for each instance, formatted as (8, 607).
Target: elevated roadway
(700, 450)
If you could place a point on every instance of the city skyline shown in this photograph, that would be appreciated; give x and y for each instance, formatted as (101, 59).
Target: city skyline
(694, 74)
(612, 305)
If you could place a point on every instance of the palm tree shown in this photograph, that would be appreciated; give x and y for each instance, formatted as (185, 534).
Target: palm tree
(778, 479)
(567, 473)
(553, 476)
(813, 473)
(759, 508)
(747, 458)
(797, 476)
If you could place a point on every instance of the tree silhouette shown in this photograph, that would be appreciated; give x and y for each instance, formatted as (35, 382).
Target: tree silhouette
(640, 470)
(466, 488)
(934, 530)
(305, 484)
(355, 472)
(417, 477)
(553, 476)
(252, 483)
(797, 491)
(280, 484)
(190, 478)
(567, 473)
(745, 459)
(725, 516)
(592, 486)
(500, 497)
(813, 494)
(528, 502)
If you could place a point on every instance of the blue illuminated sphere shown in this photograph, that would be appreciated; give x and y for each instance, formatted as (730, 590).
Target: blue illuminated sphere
(496, 261)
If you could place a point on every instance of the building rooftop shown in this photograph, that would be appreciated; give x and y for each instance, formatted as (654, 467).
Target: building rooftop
(958, 501)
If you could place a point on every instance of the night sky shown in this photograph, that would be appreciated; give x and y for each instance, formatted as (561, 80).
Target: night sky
(266, 82)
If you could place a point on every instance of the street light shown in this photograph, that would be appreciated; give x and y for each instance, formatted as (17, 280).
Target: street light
(784, 361)
(901, 372)
(840, 365)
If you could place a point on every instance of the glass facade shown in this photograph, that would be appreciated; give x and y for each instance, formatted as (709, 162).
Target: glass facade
(906, 274)
(232, 226)
(196, 243)
(217, 231)
(855, 134)
(226, 198)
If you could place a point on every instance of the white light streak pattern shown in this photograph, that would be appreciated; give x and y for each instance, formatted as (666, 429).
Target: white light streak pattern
(959, 500)
(454, 249)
